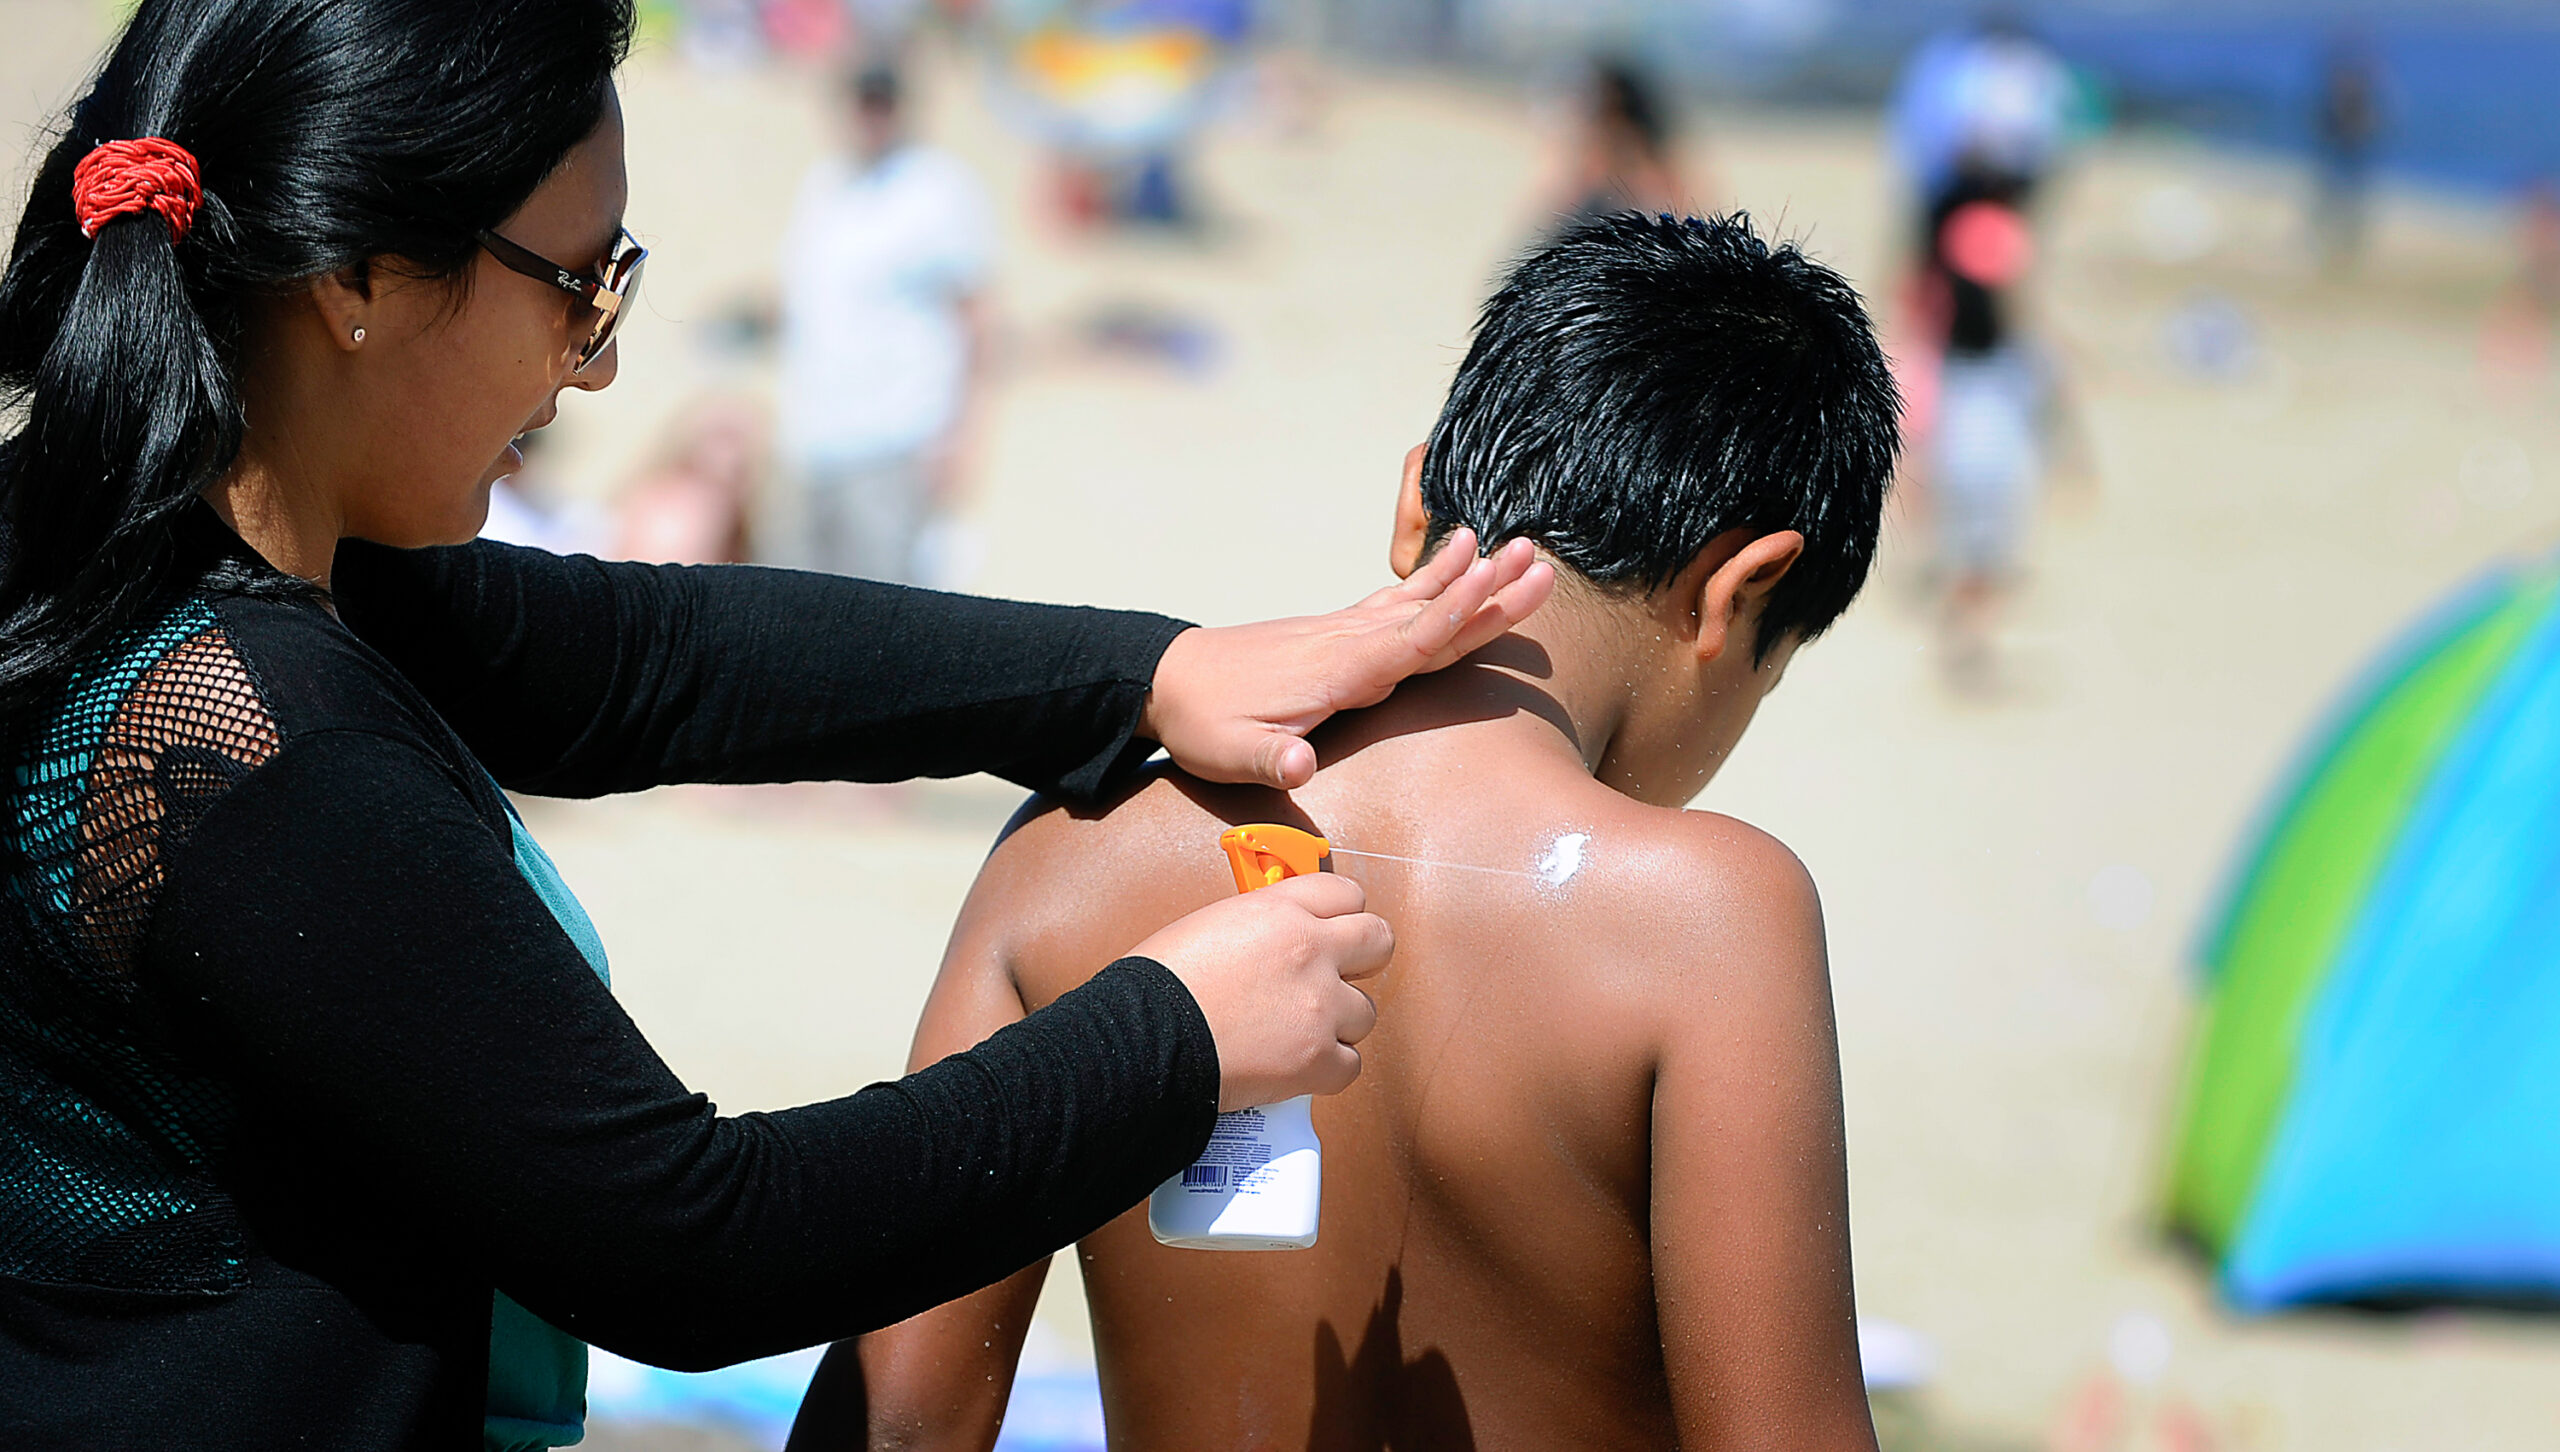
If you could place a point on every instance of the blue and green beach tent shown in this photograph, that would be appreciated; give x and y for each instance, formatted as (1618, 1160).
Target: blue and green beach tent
(2372, 1103)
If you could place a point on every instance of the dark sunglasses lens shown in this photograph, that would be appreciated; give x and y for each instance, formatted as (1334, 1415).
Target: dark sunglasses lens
(624, 279)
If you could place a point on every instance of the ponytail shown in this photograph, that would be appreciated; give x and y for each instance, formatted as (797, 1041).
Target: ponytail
(130, 411)
(318, 135)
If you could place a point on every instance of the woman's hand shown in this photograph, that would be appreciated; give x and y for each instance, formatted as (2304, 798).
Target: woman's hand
(1270, 970)
(1235, 702)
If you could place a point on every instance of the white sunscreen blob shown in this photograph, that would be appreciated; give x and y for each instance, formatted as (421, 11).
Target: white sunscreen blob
(1562, 859)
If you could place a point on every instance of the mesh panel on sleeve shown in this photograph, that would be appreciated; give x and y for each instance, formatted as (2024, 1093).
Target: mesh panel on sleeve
(107, 1135)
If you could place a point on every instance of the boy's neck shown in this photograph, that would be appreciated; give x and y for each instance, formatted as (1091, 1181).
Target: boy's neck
(1577, 683)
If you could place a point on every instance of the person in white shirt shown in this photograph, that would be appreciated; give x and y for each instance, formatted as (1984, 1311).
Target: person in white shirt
(882, 271)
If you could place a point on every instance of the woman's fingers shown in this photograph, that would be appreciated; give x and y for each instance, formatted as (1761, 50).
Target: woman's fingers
(1325, 895)
(1477, 601)
(1232, 703)
(1509, 606)
(1437, 622)
(1337, 1069)
(1361, 940)
(1369, 944)
(1270, 972)
(1455, 554)
(1458, 620)
(1358, 1018)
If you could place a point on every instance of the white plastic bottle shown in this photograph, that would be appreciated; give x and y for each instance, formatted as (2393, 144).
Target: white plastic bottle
(1258, 1186)
(1260, 1183)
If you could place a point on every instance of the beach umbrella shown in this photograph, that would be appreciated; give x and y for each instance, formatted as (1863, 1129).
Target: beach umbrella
(2371, 1109)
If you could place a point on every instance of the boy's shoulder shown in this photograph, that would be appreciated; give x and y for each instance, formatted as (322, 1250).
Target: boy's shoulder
(1692, 860)
(1066, 883)
(1689, 902)
(1659, 901)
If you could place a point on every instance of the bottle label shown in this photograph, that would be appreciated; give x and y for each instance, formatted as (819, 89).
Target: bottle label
(1259, 1185)
(1238, 1156)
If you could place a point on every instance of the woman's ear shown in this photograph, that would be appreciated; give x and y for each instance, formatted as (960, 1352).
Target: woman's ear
(344, 300)
(1735, 590)
(1413, 526)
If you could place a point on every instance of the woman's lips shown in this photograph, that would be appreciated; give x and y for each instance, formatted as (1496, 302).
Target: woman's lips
(513, 458)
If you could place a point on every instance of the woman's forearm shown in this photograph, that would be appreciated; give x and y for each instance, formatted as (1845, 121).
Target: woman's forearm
(570, 676)
(344, 937)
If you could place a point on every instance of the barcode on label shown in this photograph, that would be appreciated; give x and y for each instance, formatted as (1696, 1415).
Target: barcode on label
(1211, 1175)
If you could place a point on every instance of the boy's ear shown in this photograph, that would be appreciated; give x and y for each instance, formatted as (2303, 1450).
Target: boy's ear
(1413, 526)
(1735, 590)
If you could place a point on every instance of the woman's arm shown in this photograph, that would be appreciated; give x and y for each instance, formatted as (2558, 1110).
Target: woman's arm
(572, 676)
(402, 999)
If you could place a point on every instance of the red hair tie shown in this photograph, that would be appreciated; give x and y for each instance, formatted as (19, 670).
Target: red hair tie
(147, 174)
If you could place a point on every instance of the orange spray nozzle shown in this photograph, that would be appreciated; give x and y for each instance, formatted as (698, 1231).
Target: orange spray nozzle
(1263, 853)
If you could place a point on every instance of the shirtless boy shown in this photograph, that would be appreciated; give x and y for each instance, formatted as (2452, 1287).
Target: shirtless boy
(1590, 1191)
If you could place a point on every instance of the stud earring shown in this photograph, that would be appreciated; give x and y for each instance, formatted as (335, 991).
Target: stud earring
(359, 335)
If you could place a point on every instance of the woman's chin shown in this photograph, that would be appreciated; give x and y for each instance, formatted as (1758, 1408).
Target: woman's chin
(476, 512)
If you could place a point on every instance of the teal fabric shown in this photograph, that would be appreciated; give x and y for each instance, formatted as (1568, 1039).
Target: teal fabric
(554, 891)
(538, 1373)
(95, 1195)
(50, 786)
(537, 1382)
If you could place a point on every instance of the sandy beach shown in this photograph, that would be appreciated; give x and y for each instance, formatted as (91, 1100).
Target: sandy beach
(2012, 885)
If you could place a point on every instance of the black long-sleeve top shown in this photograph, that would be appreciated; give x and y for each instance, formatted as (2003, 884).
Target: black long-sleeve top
(356, 1076)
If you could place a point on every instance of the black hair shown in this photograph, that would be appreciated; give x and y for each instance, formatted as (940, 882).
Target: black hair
(329, 135)
(1643, 384)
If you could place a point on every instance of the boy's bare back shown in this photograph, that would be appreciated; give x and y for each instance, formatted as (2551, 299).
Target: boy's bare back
(1590, 1190)
(1568, 1204)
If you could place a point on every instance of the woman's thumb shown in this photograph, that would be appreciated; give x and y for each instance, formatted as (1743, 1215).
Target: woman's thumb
(1283, 759)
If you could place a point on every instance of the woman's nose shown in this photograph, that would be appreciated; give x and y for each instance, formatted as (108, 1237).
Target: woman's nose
(599, 374)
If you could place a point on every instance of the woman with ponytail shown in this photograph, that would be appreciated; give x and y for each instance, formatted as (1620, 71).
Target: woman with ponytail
(318, 1123)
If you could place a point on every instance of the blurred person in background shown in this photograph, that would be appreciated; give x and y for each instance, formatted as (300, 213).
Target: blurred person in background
(1992, 96)
(2346, 125)
(806, 29)
(1156, 186)
(1985, 105)
(1621, 154)
(2516, 335)
(884, 267)
(1119, 92)
(722, 35)
(1983, 447)
(884, 27)
(692, 507)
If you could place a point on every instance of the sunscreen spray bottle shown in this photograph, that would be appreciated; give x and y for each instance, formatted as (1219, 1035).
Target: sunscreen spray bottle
(1260, 1183)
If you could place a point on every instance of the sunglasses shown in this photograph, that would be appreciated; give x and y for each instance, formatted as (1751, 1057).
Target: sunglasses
(609, 295)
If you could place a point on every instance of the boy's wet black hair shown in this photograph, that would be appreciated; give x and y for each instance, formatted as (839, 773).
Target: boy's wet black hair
(1643, 384)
